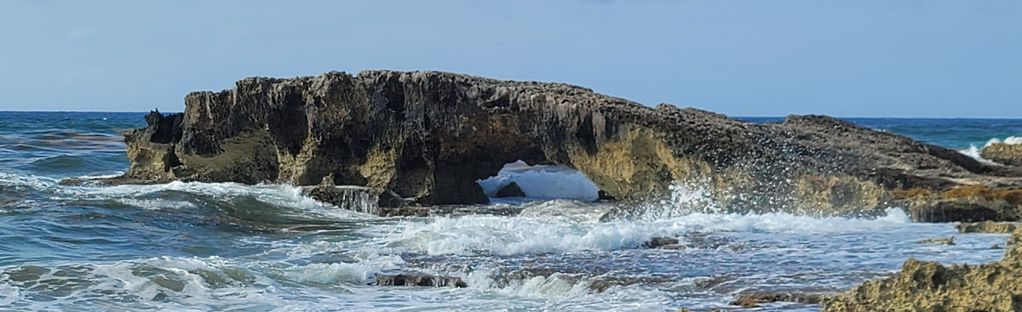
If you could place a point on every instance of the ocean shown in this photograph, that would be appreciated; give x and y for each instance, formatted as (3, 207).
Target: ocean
(226, 246)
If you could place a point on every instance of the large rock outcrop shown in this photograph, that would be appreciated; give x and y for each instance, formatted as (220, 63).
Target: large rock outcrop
(429, 136)
(930, 286)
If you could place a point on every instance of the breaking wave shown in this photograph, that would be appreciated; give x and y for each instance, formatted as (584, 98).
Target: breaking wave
(563, 227)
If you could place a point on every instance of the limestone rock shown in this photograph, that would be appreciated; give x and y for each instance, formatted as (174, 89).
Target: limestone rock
(430, 136)
(930, 286)
(1008, 154)
(510, 190)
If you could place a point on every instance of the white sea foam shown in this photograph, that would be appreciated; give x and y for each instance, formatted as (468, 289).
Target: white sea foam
(156, 204)
(508, 236)
(561, 291)
(1012, 140)
(278, 195)
(542, 182)
(18, 181)
(179, 283)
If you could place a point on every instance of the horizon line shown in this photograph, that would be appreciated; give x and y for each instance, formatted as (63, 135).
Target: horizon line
(729, 115)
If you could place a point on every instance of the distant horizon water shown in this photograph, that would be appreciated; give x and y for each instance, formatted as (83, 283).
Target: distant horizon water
(738, 116)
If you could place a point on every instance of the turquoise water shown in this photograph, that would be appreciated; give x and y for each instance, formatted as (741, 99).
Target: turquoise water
(223, 246)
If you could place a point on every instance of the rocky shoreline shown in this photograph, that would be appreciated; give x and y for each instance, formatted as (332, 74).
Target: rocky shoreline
(415, 143)
(427, 137)
(930, 286)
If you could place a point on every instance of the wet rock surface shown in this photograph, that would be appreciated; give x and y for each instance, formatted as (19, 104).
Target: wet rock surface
(930, 286)
(987, 227)
(662, 243)
(756, 299)
(429, 136)
(510, 190)
(949, 241)
(419, 279)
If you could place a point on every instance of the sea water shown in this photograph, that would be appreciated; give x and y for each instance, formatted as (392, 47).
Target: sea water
(225, 246)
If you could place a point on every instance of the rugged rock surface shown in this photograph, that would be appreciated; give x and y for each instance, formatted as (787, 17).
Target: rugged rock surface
(930, 286)
(419, 279)
(662, 243)
(510, 190)
(1008, 154)
(987, 227)
(429, 136)
(755, 299)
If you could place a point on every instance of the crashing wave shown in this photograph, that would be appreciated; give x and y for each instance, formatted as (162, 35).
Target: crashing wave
(573, 230)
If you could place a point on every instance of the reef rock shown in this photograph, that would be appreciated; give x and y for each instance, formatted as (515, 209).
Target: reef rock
(755, 299)
(429, 136)
(930, 286)
(662, 243)
(986, 227)
(1003, 153)
(419, 279)
(510, 190)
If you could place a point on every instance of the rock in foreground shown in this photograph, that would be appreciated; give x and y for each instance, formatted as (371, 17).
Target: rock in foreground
(429, 136)
(930, 286)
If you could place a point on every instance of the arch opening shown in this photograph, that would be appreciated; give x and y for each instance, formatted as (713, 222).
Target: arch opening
(541, 182)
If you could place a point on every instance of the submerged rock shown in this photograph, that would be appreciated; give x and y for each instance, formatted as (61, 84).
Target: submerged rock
(1002, 153)
(510, 190)
(419, 279)
(429, 136)
(950, 241)
(930, 286)
(986, 227)
(755, 299)
(662, 243)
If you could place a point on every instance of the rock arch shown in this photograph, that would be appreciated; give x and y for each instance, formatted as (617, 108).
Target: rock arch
(430, 135)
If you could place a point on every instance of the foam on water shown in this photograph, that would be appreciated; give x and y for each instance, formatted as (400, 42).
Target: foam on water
(476, 234)
(149, 196)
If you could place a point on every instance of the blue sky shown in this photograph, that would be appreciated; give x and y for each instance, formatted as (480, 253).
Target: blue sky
(923, 58)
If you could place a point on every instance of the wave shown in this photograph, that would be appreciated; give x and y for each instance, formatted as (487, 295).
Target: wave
(254, 207)
(546, 233)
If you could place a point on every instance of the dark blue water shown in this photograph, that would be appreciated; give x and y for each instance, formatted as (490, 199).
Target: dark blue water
(953, 133)
(221, 246)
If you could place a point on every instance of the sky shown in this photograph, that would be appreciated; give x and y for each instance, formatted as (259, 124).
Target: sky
(862, 58)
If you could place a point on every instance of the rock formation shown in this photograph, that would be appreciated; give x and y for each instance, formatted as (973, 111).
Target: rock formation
(986, 227)
(510, 190)
(930, 286)
(756, 299)
(419, 279)
(429, 136)
(1003, 153)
